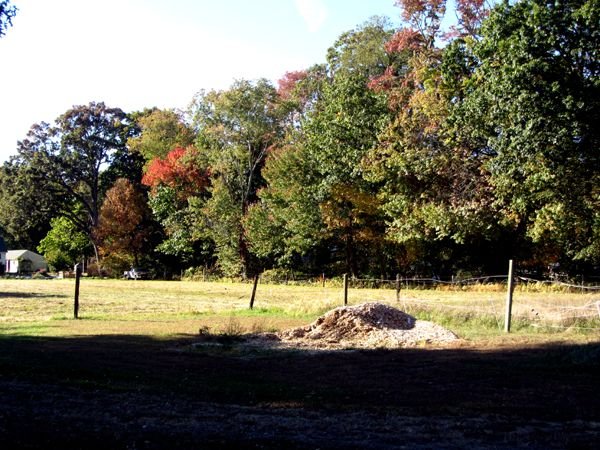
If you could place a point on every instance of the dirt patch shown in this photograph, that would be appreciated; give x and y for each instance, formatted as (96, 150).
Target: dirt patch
(369, 325)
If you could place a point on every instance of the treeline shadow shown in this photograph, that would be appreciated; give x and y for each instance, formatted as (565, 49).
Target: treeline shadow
(551, 381)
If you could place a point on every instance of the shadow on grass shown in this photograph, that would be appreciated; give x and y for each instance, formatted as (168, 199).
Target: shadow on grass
(31, 295)
(549, 381)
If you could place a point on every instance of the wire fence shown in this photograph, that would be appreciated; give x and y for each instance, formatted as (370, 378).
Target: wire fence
(548, 304)
(417, 282)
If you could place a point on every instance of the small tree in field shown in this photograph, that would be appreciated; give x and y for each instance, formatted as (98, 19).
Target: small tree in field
(64, 245)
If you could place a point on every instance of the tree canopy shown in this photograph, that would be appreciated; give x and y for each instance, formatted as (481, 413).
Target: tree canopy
(64, 245)
(415, 149)
(65, 161)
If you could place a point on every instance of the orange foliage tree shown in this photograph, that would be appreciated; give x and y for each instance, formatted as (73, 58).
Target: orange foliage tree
(124, 230)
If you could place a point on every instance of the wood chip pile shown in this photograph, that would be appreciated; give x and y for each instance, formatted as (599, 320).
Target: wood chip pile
(369, 325)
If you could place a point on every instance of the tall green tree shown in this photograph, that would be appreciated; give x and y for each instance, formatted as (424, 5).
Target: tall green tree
(535, 104)
(66, 160)
(26, 208)
(236, 129)
(316, 196)
(161, 130)
(337, 137)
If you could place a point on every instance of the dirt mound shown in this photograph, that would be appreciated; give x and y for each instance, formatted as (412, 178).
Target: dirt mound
(369, 325)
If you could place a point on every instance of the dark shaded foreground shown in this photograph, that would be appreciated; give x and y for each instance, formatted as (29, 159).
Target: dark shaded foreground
(141, 393)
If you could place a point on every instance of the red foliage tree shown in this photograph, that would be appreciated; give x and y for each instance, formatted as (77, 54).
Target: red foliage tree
(470, 15)
(424, 16)
(179, 170)
(423, 19)
(406, 39)
(287, 84)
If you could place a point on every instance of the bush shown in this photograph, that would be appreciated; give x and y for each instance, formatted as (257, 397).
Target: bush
(276, 275)
(41, 275)
(93, 270)
(114, 265)
(201, 274)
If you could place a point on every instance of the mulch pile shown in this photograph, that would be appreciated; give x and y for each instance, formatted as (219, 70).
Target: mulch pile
(369, 325)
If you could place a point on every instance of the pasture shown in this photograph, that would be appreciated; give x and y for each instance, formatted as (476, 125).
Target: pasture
(171, 308)
(128, 375)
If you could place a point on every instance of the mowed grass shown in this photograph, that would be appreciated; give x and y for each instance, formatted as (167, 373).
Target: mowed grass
(171, 308)
(46, 307)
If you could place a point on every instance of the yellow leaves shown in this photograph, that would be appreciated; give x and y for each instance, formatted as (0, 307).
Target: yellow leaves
(547, 220)
(348, 208)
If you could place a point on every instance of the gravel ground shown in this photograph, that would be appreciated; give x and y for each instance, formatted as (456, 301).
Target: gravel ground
(368, 325)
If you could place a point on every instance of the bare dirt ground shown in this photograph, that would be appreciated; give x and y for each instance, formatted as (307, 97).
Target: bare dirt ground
(135, 392)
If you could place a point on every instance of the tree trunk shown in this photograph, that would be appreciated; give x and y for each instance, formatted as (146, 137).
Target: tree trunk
(243, 252)
(96, 254)
(350, 254)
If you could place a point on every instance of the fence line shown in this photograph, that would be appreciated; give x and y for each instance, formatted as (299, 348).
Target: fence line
(537, 314)
(484, 279)
(561, 283)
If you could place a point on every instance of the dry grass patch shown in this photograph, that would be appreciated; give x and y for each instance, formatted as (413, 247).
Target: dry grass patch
(45, 307)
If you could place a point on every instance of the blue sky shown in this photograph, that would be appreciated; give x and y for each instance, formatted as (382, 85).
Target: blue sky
(142, 53)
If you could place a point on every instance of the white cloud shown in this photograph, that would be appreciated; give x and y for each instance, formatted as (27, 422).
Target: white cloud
(314, 13)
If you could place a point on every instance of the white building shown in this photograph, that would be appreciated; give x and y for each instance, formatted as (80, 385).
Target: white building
(24, 261)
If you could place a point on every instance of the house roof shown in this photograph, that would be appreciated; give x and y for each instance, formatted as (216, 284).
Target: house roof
(16, 254)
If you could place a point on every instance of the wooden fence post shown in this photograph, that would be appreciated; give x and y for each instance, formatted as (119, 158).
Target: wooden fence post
(397, 287)
(76, 300)
(253, 291)
(323, 279)
(509, 297)
(345, 289)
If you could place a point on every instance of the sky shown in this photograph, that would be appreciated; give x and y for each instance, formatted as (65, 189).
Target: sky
(135, 54)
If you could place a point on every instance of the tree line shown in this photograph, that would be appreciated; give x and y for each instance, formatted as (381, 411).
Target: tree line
(417, 150)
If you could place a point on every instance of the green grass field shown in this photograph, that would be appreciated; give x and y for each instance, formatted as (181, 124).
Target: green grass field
(170, 308)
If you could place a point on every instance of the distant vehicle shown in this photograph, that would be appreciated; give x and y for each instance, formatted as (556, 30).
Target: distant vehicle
(136, 273)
